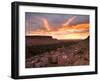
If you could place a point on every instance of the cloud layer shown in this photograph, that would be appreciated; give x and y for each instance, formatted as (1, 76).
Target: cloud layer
(67, 27)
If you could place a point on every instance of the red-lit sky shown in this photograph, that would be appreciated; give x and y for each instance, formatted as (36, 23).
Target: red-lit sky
(59, 26)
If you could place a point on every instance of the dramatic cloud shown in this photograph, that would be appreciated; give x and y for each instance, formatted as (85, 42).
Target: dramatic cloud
(45, 22)
(69, 27)
(69, 21)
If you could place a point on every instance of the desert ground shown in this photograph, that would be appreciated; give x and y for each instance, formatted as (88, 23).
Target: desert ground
(44, 51)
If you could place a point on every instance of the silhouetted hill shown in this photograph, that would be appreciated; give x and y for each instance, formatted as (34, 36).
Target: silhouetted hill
(87, 39)
(40, 40)
(39, 37)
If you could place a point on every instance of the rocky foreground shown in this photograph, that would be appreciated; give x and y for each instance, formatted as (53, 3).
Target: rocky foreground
(73, 55)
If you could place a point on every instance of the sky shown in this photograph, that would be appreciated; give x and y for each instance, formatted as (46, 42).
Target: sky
(59, 26)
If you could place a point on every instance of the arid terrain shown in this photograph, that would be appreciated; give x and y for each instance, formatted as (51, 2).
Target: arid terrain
(44, 51)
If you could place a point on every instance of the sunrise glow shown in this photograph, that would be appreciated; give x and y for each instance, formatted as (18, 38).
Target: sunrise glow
(65, 30)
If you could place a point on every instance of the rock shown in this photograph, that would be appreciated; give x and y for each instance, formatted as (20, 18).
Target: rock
(39, 64)
(29, 65)
(62, 60)
(44, 60)
(81, 62)
(54, 57)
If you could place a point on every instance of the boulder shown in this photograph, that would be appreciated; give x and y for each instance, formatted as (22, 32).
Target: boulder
(62, 60)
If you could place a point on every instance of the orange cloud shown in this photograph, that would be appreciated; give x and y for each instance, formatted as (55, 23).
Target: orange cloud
(79, 31)
(45, 22)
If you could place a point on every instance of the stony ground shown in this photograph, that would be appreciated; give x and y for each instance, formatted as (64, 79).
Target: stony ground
(74, 55)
